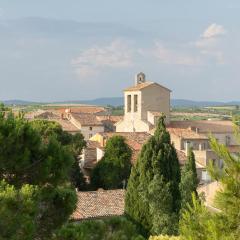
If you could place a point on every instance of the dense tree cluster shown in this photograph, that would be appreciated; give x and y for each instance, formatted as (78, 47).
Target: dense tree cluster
(110, 229)
(36, 194)
(113, 170)
(75, 143)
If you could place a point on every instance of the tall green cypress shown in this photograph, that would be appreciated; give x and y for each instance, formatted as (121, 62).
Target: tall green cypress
(189, 180)
(157, 167)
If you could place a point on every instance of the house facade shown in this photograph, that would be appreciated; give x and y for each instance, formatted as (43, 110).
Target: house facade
(86, 123)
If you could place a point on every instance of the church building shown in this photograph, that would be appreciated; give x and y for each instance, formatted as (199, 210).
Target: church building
(144, 103)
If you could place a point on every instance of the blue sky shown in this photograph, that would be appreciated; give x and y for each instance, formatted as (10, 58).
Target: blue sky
(73, 50)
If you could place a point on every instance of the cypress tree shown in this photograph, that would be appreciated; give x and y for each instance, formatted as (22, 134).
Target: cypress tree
(157, 168)
(189, 180)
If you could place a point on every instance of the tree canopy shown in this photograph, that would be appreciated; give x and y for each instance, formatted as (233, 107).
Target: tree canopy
(189, 180)
(35, 191)
(153, 196)
(110, 229)
(113, 170)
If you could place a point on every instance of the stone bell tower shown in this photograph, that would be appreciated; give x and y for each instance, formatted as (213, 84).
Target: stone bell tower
(140, 78)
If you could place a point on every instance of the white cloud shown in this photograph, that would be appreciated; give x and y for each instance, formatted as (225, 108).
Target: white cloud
(210, 43)
(213, 31)
(90, 61)
(176, 57)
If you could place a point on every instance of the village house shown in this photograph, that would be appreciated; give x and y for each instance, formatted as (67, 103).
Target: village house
(86, 123)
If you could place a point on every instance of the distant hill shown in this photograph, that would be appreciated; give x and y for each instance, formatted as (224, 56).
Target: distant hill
(118, 101)
(190, 103)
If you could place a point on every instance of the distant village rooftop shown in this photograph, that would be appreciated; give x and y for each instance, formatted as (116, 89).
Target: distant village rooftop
(99, 204)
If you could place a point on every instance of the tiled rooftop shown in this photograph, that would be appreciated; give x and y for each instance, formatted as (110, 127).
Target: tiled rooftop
(186, 133)
(86, 119)
(83, 109)
(67, 125)
(142, 86)
(205, 126)
(134, 139)
(99, 204)
(112, 119)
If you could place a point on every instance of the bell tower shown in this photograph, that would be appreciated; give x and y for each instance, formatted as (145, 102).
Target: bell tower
(140, 78)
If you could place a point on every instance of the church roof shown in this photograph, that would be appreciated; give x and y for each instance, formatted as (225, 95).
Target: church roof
(144, 85)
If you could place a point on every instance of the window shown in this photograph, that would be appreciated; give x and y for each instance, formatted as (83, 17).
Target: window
(90, 128)
(129, 103)
(135, 103)
(90, 135)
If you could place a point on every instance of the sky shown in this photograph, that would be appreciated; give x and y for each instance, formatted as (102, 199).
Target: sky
(63, 50)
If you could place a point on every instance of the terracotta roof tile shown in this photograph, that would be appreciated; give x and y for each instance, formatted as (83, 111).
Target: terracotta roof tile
(67, 125)
(186, 133)
(110, 118)
(144, 85)
(83, 109)
(86, 119)
(181, 157)
(98, 204)
(234, 148)
(135, 140)
(205, 126)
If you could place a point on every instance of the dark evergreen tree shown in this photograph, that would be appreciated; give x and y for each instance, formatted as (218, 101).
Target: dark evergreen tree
(35, 192)
(189, 180)
(75, 143)
(113, 170)
(158, 160)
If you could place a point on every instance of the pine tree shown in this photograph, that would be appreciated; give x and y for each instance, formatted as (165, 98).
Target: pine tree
(198, 222)
(157, 160)
(35, 191)
(189, 180)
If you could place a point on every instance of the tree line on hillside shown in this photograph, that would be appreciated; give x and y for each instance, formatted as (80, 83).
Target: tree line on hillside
(39, 172)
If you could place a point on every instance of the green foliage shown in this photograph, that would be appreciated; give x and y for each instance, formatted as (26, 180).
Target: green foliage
(17, 209)
(198, 223)
(74, 143)
(160, 200)
(228, 198)
(189, 180)
(164, 237)
(113, 171)
(35, 173)
(111, 229)
(153, 197)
